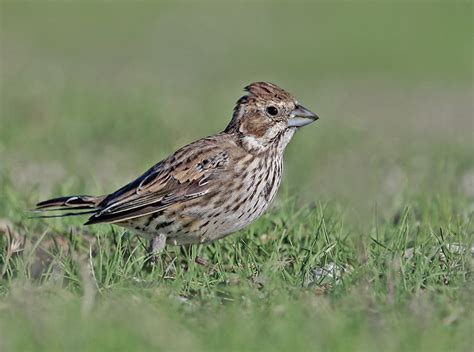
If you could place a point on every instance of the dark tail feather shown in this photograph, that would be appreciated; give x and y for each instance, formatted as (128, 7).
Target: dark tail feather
(82, 202)
(71, 204)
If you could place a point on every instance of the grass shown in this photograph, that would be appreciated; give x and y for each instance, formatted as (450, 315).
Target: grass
(369, 244)
(299, 279)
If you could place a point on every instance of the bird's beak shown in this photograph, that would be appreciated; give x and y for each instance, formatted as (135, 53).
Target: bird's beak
(302, 117)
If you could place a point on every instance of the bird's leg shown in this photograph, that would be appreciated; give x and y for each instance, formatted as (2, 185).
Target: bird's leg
(157, 244)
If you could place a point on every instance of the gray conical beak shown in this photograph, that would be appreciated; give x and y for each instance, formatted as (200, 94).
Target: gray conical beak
(302, 117)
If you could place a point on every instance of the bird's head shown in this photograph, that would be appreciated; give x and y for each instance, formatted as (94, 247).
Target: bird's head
(267, 116)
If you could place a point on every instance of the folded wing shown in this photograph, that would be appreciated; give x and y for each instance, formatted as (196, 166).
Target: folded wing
(186, 175)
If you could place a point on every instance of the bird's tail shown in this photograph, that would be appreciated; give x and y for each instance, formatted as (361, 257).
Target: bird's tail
(69, 206)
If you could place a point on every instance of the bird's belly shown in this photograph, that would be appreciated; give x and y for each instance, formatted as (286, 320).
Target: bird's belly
(201, 221)
(192, 227)
(207, 229)
(240, 218)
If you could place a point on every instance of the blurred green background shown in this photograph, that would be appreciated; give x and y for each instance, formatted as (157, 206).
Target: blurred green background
(92, 94)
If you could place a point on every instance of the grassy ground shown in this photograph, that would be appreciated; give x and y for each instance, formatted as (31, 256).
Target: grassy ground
(369, 244)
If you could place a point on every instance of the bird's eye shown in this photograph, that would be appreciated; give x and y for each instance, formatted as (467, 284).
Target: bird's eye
(271, 110)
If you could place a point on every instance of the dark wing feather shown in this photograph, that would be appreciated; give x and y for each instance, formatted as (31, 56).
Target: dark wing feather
(181, 177)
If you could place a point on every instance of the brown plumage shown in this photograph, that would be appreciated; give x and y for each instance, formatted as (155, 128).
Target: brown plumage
(211, 187)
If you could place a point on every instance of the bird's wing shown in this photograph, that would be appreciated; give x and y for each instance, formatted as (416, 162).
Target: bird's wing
(183, 176)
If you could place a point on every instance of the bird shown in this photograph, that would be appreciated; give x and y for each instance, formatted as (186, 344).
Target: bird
(209, 188)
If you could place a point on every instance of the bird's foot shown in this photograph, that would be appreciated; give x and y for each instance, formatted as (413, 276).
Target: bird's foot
(201, 261)
(157, 245)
